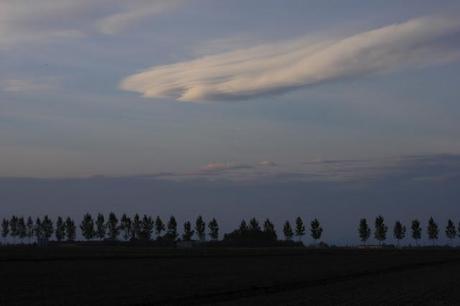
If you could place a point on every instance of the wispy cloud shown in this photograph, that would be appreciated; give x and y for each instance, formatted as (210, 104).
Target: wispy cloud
(28, 86)
(282, 66)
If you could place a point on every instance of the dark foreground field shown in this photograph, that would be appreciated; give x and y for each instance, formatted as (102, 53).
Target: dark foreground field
(72, 275)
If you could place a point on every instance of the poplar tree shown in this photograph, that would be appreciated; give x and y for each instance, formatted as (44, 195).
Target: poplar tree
(254, 225)
(381, 229)
(243, 226)
(364, 230)
(147, 227)
(172, 229)
(137, 227)
(112, 226)
(21, 228)
(60, 229)
(100, 226)
(451, 231)
(299, 228)
(87, 227)
(416, 231)
(14, 227)
(30, 228)
(70, 229)
(213, 229)
(125, 226)
(399, 231)
(316, 229)
(48, 229)
(188, 232)
(200, 227)
(433, 230)
(5, 228)
(159, 227)
(287, 231)
(269, 229)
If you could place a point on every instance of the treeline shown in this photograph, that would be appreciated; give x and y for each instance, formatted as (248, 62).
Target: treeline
(400, 230)
(146, 228)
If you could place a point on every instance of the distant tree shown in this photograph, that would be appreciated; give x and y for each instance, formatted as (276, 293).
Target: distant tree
(299, 228)
(316, 229)
(21, 228)
(137, 227)
(451, 231)
(433, 230)
(188, 232)
(87, 227)
(213, 229)
(159, 227)
(5, 228)
(125, 226)
(70, 229)
(364, 230)
(243, 226)
(48, 228)
(287, 231)
(399, 231)
(147, 227)
(269, 229)
(200, 228)
(30, 228)
(172, 229)
(416, 231)
(38, 229)
(60, 229)
(100, 226)
(381, 229)
(112, 226)
(254, 225)
(14, 227)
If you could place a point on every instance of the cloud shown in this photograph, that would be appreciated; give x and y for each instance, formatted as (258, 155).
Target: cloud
(218, 167)
(267, 163)
(283, 66)
(28, 86)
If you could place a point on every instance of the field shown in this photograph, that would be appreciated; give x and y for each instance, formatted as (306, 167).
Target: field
(117, 275)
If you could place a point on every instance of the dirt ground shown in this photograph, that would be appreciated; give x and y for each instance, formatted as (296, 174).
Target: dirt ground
(75, 275)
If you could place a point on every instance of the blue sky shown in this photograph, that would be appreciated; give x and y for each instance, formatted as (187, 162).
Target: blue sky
(94, 87)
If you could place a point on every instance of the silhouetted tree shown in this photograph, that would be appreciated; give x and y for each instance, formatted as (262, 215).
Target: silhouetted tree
(21, 228)
(269, 229)
(48, 229)
(172, 229)
(416, 231)
(159, 227)
(299, 228)
(125, 226)
(112, 226)
(188, 232)
(87, 227)
(14, 227)
(200, 228)
(243, 226)
(30, 228)
(100, 226)
(137, 227)
(70, 229)
(254, 225)
(147, 227)
(60, 229)
(399, 231)
(38, 229)
(213, 229)
(287, 231)
(433, 230)
(5, 228)
(451, 231)
(381, 229)
(364, 230)
(316, 229)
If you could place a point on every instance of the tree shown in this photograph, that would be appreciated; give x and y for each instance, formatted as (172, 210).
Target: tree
(21, 228)
(137, 227)
(70, 229)
(147, 227)
(213, 229)
(299, 228)
(316, 229)
(125, 226)
(416, 231)
(14, 227)
(87, 227)
(287, 231)
(159, 226)
(200, 227)
(254, 225)
(38, 229)
(399, 231)
(30, 228)
(60, 229)
(381, 229)
(269, 229)
(5, 228)
(172, 229)
(364, 230)
(112, 226)
(243, 226)
(100, 226)
(47, 226)
(451, 231)
(188, 232)
(433, 230)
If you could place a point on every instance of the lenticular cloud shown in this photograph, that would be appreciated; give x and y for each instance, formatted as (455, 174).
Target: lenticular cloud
(282, 66)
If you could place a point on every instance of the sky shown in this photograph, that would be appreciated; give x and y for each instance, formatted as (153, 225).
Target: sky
(142, 87)
(231, 109)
